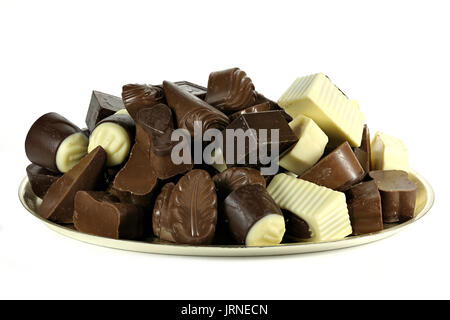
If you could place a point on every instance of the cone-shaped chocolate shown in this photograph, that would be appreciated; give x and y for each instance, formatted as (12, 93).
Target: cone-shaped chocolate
(188, 108)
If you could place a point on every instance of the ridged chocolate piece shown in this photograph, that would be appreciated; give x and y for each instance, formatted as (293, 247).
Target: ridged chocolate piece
(101, 214)
(161, 227)
(233, 178)
(230, 90)
(102, 105)
(398, 194)
(364, 208)
(193, 209)
(339, 170)
(188, 108)
(58, 202)
(137, 96)
(41, 179)
(44, 138)
(136, 181)
(362, 152)
(157, 123)
(245, 206)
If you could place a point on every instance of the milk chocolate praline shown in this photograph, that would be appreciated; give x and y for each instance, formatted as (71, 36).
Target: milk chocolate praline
(252, 123)
(188, 109)
(398, 194)
(230, 90)
(364, 208)
(41, 179)
(339, 170)
(101, 214)
(245, 207)
(157, 122)
(137, 96)
(58, 202)
(193, 209)
(236, 177)
(161, 227)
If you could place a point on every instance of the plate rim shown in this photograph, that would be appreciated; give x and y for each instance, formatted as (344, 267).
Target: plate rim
(232, 250)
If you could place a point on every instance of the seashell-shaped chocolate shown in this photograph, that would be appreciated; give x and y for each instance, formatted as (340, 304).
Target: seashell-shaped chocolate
(137, 96)
(230, 90)
(193, 209)
(188, 109)
(236, 177)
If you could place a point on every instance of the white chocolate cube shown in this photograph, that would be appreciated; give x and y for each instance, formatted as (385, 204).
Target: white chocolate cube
(316, 97)
(388, 153)
(309, 147)
(324, 210)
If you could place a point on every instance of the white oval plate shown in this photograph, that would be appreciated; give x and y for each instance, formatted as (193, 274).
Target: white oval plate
(425, 199)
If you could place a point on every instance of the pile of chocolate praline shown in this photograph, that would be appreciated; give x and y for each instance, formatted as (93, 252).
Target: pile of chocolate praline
(117, 178)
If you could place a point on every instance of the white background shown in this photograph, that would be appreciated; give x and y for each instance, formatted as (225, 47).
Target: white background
(392, 56)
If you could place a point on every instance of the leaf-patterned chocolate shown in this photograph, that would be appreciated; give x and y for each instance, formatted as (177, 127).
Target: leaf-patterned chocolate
(230, 90)
(137, 96)
(193, 209)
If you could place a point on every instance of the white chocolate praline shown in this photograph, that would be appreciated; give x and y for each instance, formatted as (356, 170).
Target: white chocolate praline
(114, 139)
(388, 153)
(316, 97)
(324, 210)
(122, 111)
(309, 147)
(268, 231)
(70, 151)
